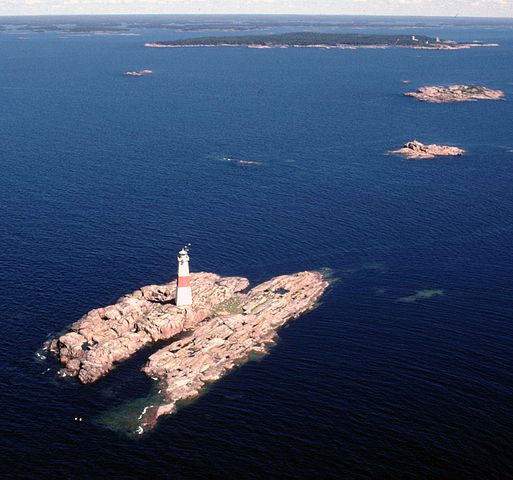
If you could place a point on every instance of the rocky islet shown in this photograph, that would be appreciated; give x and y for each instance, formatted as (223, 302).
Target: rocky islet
(455, 93)
(416, 149)
(223, 326)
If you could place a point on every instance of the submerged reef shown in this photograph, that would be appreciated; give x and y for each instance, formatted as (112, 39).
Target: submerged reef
(422, 295)
(241, 162)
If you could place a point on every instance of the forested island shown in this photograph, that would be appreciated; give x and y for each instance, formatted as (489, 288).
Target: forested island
(318, 40)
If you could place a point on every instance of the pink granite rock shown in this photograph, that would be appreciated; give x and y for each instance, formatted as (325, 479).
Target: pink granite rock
(416, 149)
(221, 342)
(455, 93)
(106, 336)
(224, 325)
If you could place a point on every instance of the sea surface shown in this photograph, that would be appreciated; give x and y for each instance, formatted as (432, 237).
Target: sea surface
(403, 371)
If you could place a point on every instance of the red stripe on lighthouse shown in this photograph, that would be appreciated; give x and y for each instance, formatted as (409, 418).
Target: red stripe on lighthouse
(184, 282)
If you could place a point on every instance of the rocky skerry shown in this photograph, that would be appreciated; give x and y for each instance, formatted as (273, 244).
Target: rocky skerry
(226, 323)
(416, 149)
(455, 93)
(106, 336)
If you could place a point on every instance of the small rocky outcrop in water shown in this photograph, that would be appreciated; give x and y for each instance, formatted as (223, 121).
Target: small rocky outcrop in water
(455, 93)
(224, 326)
(139, 73)
(416, 149)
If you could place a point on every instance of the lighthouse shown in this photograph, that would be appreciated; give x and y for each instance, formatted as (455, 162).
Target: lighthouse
(183, 283)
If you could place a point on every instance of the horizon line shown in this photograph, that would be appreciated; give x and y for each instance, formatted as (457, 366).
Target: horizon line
(241, 14)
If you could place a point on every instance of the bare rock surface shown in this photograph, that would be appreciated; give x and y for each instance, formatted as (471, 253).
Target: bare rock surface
(221, 329)
(139, 73)
(455, 93)
(416, 149)
(246, 324)
(448, 45)
(109, 335)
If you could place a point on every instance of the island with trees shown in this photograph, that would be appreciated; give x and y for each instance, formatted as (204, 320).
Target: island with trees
(318, 40)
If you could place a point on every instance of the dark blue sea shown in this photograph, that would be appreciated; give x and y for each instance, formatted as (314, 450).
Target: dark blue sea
(404, 370)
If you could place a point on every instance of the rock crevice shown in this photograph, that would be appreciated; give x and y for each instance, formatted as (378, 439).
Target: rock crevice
(109, 335)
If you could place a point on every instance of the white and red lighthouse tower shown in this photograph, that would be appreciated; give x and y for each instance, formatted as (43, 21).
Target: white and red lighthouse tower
(183, 284)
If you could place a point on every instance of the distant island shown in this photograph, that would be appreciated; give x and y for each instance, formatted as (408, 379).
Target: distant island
(416, 149)
(319, 40)
(139, 73)
(455, 93)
